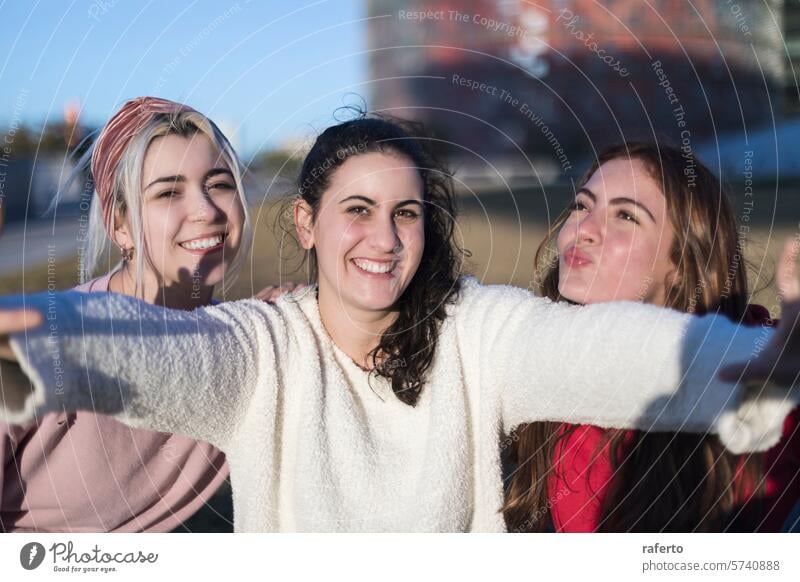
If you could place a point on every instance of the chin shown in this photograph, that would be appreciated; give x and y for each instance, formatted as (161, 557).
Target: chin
(374, 302)
(378, 304)
(574, 293)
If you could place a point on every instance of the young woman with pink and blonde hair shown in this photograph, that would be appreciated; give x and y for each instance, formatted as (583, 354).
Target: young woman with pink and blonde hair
(169, 195)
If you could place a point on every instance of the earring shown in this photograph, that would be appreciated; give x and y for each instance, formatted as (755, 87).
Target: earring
(127, 254)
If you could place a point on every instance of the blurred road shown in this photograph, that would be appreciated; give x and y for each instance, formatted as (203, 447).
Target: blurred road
(32, 243)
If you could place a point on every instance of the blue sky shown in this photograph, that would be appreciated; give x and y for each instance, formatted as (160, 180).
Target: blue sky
(267, 71)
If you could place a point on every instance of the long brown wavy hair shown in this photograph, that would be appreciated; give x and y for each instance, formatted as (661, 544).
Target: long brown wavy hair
(661, 481)
(407, 348)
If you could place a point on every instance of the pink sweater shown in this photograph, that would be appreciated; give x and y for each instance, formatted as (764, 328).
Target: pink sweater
(84, 472)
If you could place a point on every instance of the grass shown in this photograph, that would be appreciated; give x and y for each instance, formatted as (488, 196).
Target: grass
(502, 238)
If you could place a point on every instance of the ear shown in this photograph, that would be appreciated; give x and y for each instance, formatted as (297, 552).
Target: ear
(304, 223)
(122, 234)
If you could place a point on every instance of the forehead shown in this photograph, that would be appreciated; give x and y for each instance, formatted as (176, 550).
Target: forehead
(174, 154)
(629, 178)
(379, 176)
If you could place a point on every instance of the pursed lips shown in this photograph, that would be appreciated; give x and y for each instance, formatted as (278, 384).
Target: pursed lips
(573, 257)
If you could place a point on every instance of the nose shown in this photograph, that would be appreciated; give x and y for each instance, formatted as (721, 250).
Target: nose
(589, 228)
(204, 209)
(383, 236)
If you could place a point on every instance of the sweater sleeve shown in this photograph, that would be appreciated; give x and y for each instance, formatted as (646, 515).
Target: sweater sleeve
(623, 365)
(191, 373)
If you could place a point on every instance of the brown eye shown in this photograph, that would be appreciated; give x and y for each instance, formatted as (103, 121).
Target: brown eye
(407, 214)
(223, 186)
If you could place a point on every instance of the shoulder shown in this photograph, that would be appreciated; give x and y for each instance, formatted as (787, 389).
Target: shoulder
(477, 297)
(96, 285)
(290, 315)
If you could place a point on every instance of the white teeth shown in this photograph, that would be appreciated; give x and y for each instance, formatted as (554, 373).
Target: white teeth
(203, 243)
(375, 267)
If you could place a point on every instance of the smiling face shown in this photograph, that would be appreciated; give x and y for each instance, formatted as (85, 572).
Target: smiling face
(191, 211)
(617, 241)
(368, 232)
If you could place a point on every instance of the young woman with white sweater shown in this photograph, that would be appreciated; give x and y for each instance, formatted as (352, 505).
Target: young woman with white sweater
(375, 401)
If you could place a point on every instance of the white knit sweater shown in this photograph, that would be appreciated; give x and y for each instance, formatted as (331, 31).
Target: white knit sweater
(315, 445)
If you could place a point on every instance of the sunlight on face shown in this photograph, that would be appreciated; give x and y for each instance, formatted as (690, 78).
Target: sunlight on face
(617, 241)
(192, 214)
(369, 232)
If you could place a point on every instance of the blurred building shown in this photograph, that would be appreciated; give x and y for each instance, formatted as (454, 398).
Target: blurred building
(791, 33)
(556, 79)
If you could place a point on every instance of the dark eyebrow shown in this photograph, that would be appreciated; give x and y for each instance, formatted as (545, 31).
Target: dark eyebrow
(619, 200)
(369, 201)
(173, 179)
(409, 201)
(217, 171)
(170, 179)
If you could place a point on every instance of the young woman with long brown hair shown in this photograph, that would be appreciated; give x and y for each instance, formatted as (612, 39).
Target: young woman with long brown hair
(640, 230)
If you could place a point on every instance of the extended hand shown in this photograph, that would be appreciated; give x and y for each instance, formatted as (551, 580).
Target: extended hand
(12, 321)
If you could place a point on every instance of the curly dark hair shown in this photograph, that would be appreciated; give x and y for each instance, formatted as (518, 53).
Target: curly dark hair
(406, 349)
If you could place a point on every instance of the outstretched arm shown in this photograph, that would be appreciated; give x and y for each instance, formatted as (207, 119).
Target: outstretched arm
(190, 373)
(623, 365)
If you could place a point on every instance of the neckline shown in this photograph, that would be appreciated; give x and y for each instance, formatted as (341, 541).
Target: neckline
(308, 303)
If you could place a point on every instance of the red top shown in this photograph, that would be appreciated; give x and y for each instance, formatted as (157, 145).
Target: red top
(578, 485)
